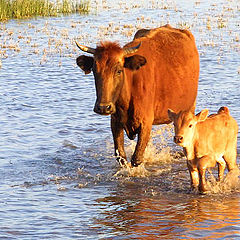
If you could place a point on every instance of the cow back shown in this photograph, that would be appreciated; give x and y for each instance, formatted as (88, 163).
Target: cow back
(169, 79)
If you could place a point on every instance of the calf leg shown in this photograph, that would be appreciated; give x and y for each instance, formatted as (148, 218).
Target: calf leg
(143, 138)
(194, 176)
(202, 180)
(221, 168)
(230, 157)
(118, 139)
(204, 163)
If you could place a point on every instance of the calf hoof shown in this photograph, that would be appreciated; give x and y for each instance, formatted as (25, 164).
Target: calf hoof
(203, 191)
(122, 161)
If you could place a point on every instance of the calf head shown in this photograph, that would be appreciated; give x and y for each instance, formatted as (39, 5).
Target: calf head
(185, 125)
(108, 63)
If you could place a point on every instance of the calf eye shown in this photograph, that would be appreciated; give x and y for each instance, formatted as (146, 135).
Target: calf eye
(190, 125)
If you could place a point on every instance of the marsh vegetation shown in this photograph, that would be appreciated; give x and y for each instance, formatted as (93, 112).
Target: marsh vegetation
(10, 9)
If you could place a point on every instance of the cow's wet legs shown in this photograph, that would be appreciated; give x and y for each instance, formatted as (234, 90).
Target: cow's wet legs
(143, 138)
(118, 139)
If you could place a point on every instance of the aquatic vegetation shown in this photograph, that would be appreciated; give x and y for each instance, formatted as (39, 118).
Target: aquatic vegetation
(19, 9)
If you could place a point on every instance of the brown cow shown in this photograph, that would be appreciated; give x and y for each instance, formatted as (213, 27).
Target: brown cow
(206, 141)
(138, 89)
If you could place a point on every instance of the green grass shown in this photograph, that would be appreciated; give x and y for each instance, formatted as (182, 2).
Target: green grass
(10, 9)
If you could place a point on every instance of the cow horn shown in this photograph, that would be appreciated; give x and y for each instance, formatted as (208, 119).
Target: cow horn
(85, 49)
(131, 49)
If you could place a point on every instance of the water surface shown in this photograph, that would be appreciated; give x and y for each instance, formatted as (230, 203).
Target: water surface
(59, 179)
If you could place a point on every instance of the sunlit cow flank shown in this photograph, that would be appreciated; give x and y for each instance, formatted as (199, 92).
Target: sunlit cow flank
(206, 141)
(137, 84)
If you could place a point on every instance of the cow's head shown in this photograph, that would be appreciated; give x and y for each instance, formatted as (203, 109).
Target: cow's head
(108, 63)
(185, 125)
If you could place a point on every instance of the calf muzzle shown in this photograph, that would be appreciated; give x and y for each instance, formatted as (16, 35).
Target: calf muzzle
(178, 139)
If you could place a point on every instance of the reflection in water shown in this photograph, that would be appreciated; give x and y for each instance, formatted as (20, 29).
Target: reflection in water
(132, 214)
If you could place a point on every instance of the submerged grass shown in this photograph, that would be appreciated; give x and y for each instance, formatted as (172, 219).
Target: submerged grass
(10, 9)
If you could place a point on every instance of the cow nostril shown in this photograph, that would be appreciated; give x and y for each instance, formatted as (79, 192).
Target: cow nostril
(104, 109)
(180, 138)
(108, 107)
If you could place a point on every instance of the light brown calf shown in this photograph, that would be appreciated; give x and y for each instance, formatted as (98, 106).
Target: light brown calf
(206, 141)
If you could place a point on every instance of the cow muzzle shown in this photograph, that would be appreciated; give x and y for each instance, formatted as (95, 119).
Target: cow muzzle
(178, 139)
(105, 108)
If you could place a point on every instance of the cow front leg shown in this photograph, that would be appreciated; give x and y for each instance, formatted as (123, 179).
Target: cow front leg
(118, 139)
(143, 138)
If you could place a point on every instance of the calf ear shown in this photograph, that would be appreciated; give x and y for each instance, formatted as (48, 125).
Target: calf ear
(202, 116)
(134, 62)
(85, 63)
(171, 114)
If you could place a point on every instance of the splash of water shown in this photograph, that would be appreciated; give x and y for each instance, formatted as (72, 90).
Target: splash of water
(230, 183)
(158, 149)
(129, 171)
(157, 154)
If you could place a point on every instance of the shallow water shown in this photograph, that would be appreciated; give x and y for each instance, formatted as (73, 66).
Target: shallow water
(59, 179)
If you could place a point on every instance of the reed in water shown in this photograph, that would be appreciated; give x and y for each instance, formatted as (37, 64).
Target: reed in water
(19, 9)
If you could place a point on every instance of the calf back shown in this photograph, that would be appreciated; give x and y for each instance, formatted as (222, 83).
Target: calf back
(216, 135)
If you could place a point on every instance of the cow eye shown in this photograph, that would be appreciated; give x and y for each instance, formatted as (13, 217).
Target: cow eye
(119, 71)
(190, 125)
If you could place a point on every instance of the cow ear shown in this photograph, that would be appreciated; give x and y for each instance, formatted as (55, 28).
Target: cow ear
(171, 114)
(202, 116)
(134, 62)
(85, 63)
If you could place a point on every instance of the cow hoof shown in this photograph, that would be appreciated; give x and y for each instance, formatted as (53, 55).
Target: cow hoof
(122, 161)
(135, 164)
